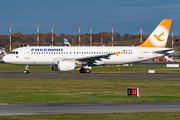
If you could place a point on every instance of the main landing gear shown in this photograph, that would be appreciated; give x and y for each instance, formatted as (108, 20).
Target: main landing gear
(85, 70)
(26, 71)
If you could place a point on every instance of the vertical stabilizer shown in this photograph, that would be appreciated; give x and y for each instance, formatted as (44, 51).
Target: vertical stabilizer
(66, 43)
(159, 36)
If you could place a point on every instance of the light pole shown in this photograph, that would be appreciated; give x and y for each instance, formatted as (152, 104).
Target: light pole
(52, 34)
(10, 38)
(37, 34)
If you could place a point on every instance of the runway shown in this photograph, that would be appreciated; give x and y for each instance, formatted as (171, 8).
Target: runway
(29, 109)
(113, 76)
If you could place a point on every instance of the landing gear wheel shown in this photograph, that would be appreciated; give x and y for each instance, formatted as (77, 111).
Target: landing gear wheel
(26, 71)
(88, 71)
(82, 70)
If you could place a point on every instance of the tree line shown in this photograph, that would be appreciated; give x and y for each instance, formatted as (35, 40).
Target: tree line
(45, 39)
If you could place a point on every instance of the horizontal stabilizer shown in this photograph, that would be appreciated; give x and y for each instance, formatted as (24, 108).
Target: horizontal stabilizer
(164, 52)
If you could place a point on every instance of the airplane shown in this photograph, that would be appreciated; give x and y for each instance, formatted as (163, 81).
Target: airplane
(66, 43)
(62, 58)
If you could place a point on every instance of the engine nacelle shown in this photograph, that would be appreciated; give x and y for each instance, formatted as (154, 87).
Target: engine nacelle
(64, 66)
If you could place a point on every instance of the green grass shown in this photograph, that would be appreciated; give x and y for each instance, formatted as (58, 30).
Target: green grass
(107, 116)
(27, 90)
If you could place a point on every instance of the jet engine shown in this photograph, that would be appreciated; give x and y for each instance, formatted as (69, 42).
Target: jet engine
(64, 66)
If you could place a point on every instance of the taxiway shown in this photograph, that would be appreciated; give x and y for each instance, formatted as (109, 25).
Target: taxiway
(31, 109)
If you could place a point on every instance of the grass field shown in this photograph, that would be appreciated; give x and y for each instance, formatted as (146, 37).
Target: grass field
(108, 116)
(27, 90)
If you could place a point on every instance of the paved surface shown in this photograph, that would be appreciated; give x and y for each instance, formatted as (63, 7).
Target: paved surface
(28, 109)
(1, 61)
(115, 76)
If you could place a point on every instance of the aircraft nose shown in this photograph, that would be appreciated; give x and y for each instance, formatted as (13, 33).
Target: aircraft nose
(5, 58)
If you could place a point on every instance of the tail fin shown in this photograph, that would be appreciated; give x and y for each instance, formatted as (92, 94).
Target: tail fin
(159, 36)
(66, 43)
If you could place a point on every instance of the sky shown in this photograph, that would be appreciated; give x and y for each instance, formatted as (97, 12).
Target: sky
(125, 15)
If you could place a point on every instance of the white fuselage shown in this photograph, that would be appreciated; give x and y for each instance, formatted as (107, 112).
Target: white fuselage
(49, 55)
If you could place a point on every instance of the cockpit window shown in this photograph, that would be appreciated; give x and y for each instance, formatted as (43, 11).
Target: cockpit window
(14, 52)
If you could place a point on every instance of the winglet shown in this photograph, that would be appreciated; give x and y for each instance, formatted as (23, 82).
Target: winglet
(117, 53)
(159, 36)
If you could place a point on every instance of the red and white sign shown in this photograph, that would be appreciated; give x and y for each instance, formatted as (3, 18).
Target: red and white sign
(133, 92)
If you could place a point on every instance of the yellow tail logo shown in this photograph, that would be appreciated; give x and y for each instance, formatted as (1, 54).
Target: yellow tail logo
(158, 37)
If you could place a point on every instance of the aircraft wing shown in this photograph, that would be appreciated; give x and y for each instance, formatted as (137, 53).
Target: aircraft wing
(93, 57)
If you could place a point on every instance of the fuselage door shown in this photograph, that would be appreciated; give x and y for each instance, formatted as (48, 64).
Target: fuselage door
(26, 53)
(140, 53)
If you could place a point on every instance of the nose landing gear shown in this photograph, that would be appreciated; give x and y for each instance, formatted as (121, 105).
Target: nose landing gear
(26, 71)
